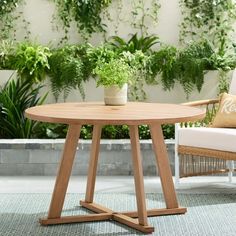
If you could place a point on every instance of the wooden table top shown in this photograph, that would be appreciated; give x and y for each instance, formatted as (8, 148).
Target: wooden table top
(133, 113)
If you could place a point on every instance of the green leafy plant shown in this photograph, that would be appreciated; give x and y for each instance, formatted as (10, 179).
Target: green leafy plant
(191, 65)
(9, 15)
(101, 54)
(15, 98)
(135, 43)
(31, 61)
(48, 130)
(7, 52)
(142, 12)
(86, 14)
(163, 62)
(209, 19)
(135, 53)
(115, 72)
(138, 61)
(69, 68)
(188, 65)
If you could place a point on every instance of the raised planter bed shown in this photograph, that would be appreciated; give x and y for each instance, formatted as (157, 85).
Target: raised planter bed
(41, 157)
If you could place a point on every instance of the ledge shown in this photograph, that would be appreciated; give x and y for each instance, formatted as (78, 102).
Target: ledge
(58, 144)
(42, 157)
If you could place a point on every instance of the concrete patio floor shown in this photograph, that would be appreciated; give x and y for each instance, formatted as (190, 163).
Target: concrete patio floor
(121, 184)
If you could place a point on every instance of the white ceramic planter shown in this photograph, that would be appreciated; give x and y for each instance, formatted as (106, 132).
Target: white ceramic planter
(115, 96)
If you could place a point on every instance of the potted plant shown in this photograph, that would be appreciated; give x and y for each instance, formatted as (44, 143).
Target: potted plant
(114, 75)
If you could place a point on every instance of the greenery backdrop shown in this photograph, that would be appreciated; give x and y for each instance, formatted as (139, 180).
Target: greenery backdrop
(205, 36)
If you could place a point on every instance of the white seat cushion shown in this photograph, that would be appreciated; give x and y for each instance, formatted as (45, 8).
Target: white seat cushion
(223, 139)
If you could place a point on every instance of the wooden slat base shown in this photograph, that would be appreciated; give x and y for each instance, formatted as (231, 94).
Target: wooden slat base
(157, 212)
(127, 217)
(134, 214)
(76, 219)
(133, 223)
(104, 213)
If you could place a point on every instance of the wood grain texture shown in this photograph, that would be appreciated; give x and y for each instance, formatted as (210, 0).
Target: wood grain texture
(64, 172)
(97, 114)
(157, 212)
(138, 175)
(76, 219)
(93, 162)
(201, 102)
(163, 165)
(133, 113)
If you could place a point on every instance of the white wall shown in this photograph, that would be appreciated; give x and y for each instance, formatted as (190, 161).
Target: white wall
(40, 12)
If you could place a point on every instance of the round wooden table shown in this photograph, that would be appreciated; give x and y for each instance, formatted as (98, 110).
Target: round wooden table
(97, 114)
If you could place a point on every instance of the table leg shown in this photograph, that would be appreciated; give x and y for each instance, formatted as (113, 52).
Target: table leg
(140, 224)
(93, 163)
(138, 175)
(102, 212)
(162, 160)
(64, 173)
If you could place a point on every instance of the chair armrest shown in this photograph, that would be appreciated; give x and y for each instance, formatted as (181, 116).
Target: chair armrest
(201, 102)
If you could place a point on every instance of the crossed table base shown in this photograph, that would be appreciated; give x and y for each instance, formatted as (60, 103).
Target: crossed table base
(101, 212)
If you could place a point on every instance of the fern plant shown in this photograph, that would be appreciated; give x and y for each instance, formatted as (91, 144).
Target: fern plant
(163, 62)
(191, 65)
(135, 43)
(31, 61)
(69, 68)
(15, 98)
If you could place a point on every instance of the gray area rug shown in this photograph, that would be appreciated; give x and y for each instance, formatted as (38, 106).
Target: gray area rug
(208, 215)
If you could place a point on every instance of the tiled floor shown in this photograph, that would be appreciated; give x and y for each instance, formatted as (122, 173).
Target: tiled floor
(39, 184)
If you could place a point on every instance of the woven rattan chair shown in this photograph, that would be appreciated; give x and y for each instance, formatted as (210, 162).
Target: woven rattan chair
(201, 150)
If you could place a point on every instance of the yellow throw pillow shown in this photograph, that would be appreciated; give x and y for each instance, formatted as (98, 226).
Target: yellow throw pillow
(226, 115)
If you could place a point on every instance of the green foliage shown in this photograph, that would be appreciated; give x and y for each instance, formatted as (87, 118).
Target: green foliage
(188, 65)
(7, 9)
(69, 68)
(138, 61)
(168, 131)
(7, 52)
(135, 43)
(31, 61)
(9, 15)
(50, 130)
(163, 62)
(86, 14)
(101, 54)
(135, 52)
(115, 72)
(15, 97)
(209, 19)
(47, 130)
(143, 12)
(191, 63)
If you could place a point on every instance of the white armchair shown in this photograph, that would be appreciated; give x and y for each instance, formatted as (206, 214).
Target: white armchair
(204, 150)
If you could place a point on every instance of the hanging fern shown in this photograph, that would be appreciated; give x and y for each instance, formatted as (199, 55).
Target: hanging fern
(191, 63)
(68, 70)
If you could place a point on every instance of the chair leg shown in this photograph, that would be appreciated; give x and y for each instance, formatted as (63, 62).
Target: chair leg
(231, 169)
